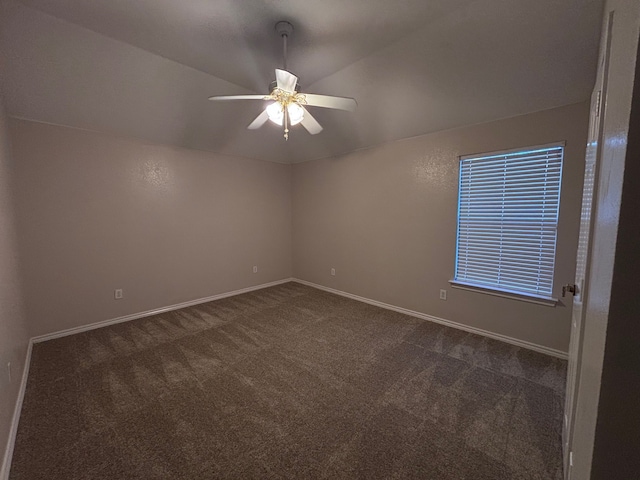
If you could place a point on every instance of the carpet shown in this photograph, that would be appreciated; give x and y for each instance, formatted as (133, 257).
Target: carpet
(288, 382)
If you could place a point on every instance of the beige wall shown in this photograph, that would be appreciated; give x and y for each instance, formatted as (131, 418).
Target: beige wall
(13, 332)
(385, 218)
(98, 212)
(167, 225)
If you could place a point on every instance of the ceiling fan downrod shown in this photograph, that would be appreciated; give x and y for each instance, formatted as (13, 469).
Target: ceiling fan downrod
(284, 29)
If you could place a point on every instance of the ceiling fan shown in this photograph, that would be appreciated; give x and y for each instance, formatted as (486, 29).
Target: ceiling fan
(287, 105)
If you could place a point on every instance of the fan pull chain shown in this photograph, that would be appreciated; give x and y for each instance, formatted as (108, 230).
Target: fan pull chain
(286, 124)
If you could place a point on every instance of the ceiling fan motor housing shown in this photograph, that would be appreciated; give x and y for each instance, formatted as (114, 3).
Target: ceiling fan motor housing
(274, 84)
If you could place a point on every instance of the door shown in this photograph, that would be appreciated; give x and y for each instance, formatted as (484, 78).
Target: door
(581, 286)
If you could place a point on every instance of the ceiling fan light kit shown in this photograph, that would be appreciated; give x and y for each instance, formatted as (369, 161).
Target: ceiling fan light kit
(287, 107)
(276, 113)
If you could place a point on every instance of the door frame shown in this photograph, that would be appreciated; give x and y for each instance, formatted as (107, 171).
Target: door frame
(596, 133)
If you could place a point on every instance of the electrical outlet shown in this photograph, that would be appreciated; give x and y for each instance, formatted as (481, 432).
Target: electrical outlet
(443, 294)
(333, 272)
(255, 269)
(117, 293)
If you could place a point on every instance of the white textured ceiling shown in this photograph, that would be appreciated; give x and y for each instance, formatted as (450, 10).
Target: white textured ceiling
(146, 68)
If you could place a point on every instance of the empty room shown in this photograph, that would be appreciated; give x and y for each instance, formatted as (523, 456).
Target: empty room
(319, 240)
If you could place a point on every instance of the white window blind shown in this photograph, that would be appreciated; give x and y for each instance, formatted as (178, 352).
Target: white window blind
(508, 219)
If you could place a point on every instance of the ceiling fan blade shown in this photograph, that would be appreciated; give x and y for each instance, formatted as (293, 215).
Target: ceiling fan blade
(286, 81)
(259, 121)
(310, 123)
(326, 101)
(239, 97)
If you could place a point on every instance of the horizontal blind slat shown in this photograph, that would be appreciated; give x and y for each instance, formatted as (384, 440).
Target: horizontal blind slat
(507, 219)
(510, 176)
(500, 159)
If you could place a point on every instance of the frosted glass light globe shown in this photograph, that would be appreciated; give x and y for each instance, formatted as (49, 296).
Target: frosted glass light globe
(296, 113)
(276, 113)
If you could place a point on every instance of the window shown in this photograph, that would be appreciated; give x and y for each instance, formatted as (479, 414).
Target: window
(507, 221)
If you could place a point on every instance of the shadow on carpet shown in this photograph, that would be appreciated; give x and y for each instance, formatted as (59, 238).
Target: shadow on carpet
(288, 382)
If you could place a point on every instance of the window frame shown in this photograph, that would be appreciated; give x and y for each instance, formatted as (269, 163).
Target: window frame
(496, 290)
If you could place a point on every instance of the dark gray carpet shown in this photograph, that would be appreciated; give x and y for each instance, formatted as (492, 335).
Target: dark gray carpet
(288, 382)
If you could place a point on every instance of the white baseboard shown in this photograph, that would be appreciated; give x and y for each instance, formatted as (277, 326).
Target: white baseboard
(6, 464)
(11, 441)
(8, 455)
(156, 311)
(478, 331)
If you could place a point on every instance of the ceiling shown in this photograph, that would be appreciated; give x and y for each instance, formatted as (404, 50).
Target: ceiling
(146, 68)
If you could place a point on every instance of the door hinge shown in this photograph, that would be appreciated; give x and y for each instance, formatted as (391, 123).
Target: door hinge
(598, 102)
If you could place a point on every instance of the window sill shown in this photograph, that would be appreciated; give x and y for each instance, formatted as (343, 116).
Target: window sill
(538, 299)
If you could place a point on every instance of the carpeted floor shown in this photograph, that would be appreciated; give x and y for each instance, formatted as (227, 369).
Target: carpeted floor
(288, 382)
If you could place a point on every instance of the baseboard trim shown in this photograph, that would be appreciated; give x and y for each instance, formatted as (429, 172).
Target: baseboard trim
(13, 431)
(8, 454)
(449, 323)
(6, 463)
(156, 311)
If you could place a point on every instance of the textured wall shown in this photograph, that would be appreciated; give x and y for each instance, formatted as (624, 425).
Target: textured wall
(13, 332)
(385, 218)
(167, 225)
